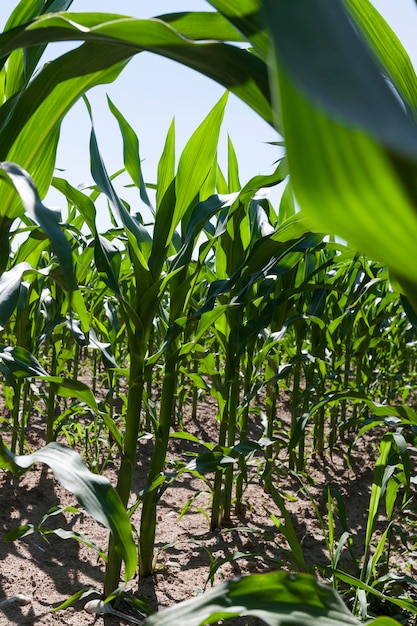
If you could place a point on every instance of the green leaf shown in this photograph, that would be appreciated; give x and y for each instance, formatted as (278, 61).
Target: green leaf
(29, 124)
(197, 221)
(20, 362)
(29, 131)
(80, 595)
(236, 69)
(402, 448)
(203, 25)
(68, 388)
(130, 152)
(286, 528)
(232, 168)
(77, 198)
(166, 167)
(10, 283)
(352, 145)
(22, 63)
(196, 161)
(190, 437)
(277, 598)
(384, 621)
(377, 487)
(208, 319)
(24, 12)
(78, 306)
(104, 254)
(19, 533)
(139, 238)
(94, 492)
(106, 355)
(247, 18)
(43, 216)
(402, 413)
(72, 534)
(388, 47)
(210, 462)
(27, 10)
(342, 81)
(165, 203)
(408, 605)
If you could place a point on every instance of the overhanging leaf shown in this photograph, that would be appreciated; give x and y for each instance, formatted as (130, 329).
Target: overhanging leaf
(246, 16)
(343, 77)
(388, 47)
(352, 145)
(236, 69)
(29, 128)
(29, 123)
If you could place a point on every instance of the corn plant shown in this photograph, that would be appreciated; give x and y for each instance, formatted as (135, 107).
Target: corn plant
(250, 82)
(148, 282)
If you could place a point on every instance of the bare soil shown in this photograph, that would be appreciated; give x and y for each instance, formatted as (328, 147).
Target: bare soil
(47, 570)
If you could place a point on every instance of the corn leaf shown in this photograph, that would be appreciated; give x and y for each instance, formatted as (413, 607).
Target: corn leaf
(236, 69)
(29, 132)
(166, 167)
(344, 129)
(22, 63)
(246, 16)
(68, 388)
(406, 604)
(165, 203)
(377, 487)
(29, 123)
(198, 219)
(384, 621)
(277, 598)
(10, 283)
(20, 362)
(196, 161)
(130, 152)
(139, 238)
(203, 25)
(232, 168)
(104, 250)
(94, 492)
(77, 198)
(388, 47)
(401, 413)
(46, 218)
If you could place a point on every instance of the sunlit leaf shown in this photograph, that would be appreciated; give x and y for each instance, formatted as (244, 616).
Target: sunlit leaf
(93, 491)
(351, 143)
(278, 599)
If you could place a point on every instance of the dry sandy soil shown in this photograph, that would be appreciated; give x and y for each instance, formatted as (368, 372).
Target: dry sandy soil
(48, 572)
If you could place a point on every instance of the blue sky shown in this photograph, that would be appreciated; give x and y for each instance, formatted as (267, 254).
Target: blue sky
(152, 90)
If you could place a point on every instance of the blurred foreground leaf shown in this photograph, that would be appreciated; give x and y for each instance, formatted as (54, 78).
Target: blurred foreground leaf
(351, 139)
(277, 598)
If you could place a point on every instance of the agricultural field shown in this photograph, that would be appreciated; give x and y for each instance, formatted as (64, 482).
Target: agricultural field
(209, 414)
